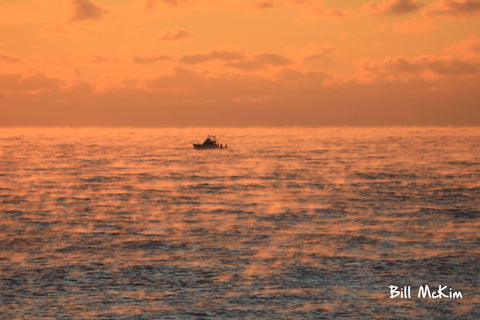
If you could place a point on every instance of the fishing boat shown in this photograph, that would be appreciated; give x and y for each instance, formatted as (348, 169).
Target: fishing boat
(209, 143)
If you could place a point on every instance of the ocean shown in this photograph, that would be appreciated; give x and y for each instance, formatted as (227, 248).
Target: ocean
(286, 223)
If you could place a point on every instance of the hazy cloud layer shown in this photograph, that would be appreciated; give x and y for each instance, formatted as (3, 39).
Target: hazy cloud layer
(395, 7)
(469, 47)
(238, 60)
(9, 59)
(214, 55)
(320, 58)
(265, 4)
(86, 10)
(414, 26)
(186, 98)
(333, 13)
(175, 2)
(455, 8)
(405, 69)
(259, 61)
(319, 55)
(149, 60)
(186, 59)
(175, 35)
(14, 1)
(307, 9)
(34, 83)
(102, 59)
(150, 4)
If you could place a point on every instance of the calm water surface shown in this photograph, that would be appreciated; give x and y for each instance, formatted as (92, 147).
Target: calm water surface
(284, 224)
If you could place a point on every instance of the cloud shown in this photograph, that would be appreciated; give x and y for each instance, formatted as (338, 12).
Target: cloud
(265, 4)
(9, 59)
(102, 59)
(214, 55)
(306, 10)
(333, 13)
(187, 98)
(175, 35)
(28, 84)
(454, 8)
(319, 58)
(175, 2)
(451, 67)
(413, 26)
(86, 10)
(150, 4)
(314, 54)
(238, 60)
(259, 61)
(311, 77)
(181, 78)
(394, 7)
(406, 69)
(148, 60)
(14, 1)
(469, 47)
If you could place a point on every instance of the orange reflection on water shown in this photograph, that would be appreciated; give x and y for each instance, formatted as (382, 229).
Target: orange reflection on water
(117, 222)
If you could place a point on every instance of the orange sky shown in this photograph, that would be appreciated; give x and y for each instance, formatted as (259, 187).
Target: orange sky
(239, 62)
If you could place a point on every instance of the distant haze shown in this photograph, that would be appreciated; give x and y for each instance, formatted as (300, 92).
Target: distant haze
(239, 63)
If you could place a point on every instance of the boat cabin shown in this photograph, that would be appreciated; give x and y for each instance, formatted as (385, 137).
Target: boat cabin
(211, 140)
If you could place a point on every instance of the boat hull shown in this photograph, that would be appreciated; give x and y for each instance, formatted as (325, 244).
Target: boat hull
(206, 146)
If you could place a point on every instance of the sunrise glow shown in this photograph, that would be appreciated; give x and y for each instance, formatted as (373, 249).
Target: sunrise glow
(239, 63)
